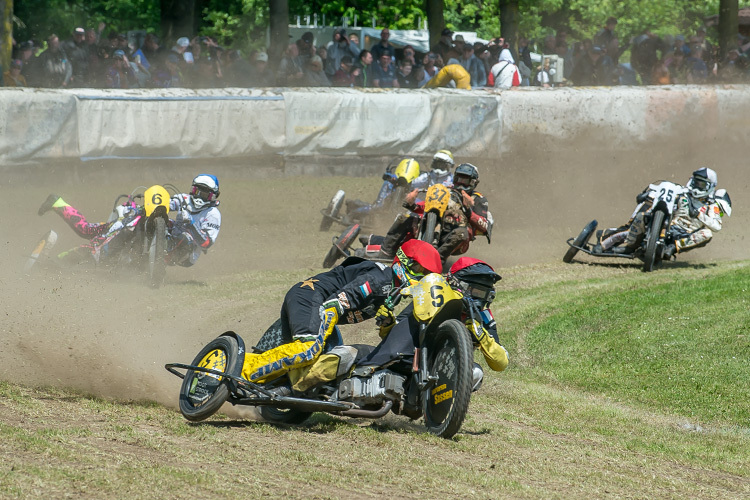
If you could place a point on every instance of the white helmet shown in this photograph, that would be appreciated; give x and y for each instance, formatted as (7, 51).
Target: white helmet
(442, 162)
(204, 191)
(703, 183)
(725, 204)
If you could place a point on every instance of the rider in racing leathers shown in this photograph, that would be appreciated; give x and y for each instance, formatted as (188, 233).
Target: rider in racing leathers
(475, 279)
(197, 226)
(349, 293)
(462, 221)
(198, 221)
(698, 215)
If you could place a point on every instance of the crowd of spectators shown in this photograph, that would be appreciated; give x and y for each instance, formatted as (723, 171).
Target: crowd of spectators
(89, 59)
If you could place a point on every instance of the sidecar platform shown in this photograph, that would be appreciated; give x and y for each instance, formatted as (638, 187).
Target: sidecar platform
(587, 249)
(243, 392)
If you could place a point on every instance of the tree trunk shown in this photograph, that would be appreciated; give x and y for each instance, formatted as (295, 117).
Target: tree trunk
(6, 34)
(728, 26)
(509, 23)
(180, 18)
(435, 19)
(278, 15)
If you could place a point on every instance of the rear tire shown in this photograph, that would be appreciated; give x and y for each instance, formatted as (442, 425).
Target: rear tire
(202, 394)
(332, 211)
(283, 416)
(650, 259)
(157, 264)
(580, 241)
(430, 223)
(450, 358)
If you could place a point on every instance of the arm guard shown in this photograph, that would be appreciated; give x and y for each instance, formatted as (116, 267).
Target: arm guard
(495, 354)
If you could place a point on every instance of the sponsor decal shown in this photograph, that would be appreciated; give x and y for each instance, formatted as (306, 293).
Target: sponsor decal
(358, 316)
(386, 289)
(350, 317)
(343, 300)
(439, 398)
(487, 316)
(365, 289)
(212, 225)
(308, 283)
(438, 389)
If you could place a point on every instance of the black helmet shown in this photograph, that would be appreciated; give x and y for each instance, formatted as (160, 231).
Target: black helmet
(475, 279)
(466, 177)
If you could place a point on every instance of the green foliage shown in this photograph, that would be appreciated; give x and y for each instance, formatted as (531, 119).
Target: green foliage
(40, 18)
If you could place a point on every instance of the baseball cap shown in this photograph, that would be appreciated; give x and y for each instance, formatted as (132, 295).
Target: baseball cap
(183, 42)
(308, 36)
(118, 54)
(79, 31)
(446, 32)
(262, 57)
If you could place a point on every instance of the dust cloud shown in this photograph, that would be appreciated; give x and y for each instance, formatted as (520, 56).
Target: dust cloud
(110, 335)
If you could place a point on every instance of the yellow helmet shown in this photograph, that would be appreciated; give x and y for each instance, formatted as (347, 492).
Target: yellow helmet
(408, 169)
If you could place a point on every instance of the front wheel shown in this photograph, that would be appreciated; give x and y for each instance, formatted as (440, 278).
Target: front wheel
(202, 394)
(450, 359)
(650, 259)
(332, 210)
(341, 245)
(580, 241)
(157, 264)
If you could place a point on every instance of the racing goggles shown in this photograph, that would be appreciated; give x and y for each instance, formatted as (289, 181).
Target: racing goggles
(441, 165)
(409, 271)
(462, 182)
(202, 193)
(479, 293)
(700, 183)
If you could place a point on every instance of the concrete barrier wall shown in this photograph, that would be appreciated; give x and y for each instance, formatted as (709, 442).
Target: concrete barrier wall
(38, 125)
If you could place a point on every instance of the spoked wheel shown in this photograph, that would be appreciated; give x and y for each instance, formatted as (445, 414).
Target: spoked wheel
(581, 240)
(202, 394)
(341, 244)
(430, 223)
(650, 259)
(332, 211)
(450, 359)
(157, 265)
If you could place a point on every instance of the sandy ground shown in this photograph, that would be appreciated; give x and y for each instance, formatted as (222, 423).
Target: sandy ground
(83, 329)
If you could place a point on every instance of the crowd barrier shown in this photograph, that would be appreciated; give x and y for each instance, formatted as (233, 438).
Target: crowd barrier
(91, 124)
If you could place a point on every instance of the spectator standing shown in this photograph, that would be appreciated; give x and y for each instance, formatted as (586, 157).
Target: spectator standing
(78, 55)
(306, 48)
(407, 79)
(363, 70)
(148, 52)
(444, 44)
(55, 70)
(524, 61)
(410, 55)
(677, 68)
(344, 76)
(180, 49)
(29, 63)
(120, 75)
(314, 74)
(260, 75)
(473, 66)
(384, 73)
(607, 39)
(170, 75)
(337, 51)
(383, 46)
(504, 74)
(643, 55)
(290, 71)
(697, 70)
(429, 64)
(13, 77)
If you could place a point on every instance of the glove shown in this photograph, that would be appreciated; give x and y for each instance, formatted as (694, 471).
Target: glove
(384, 316)
(476, 329)
(642, 197)
(332, 304)
(410, 198)
(184, 217)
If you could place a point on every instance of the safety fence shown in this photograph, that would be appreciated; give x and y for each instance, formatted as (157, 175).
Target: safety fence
(38, 125)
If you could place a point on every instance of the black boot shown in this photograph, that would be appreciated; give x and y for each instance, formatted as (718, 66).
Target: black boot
(47, 205)
(669, 251)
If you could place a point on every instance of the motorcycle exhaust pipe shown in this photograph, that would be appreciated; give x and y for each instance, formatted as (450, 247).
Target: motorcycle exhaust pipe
(369, 413)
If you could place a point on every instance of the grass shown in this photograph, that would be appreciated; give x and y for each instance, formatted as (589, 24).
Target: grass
(622, 384)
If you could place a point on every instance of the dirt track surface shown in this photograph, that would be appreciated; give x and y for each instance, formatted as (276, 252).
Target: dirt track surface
(86, 330)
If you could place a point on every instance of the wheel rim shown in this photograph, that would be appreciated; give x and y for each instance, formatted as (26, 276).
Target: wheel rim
(203, 385)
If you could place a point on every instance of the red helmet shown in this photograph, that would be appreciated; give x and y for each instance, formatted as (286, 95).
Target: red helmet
(474, 278)
(414, 259)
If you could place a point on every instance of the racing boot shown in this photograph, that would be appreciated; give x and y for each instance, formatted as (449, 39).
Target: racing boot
(669, 252)
(597, 248)
(621, 250)
(52, 201)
